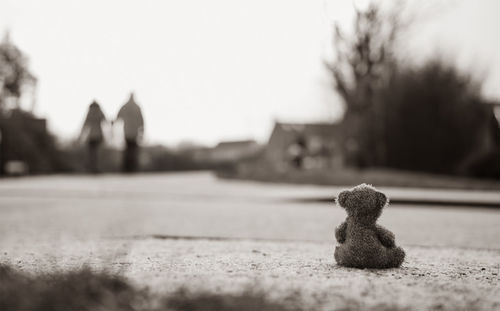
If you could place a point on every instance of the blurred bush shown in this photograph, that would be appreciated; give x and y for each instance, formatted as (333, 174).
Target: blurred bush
(90, 290)
(155, 158)
(74, 290)
(434, 119)
(161, 158)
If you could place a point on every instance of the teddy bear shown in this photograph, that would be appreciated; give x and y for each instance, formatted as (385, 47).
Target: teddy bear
(362, 242)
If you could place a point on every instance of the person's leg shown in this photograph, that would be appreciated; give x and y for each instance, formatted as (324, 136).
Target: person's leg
(130, 156)
(93, 166)
(125, 158)
(134, 156)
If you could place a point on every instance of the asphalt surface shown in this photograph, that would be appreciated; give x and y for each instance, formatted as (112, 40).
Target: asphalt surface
(199, 205)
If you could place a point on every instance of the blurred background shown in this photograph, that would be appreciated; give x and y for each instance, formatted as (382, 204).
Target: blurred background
(328, 92)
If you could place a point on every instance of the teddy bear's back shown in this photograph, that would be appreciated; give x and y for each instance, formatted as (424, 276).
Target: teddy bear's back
(363, 249)
(362, 236)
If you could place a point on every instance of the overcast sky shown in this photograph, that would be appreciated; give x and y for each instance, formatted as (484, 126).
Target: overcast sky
(206, 71)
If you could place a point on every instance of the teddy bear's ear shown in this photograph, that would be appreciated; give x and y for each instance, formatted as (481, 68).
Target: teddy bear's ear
(342, 198)
(381, 199)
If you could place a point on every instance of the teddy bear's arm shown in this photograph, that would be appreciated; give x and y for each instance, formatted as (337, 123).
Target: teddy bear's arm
(385, 236)
(340, 232)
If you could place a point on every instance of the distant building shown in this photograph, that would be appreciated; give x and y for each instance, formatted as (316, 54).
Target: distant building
(304, 146)
(24, 141)
(229, 151)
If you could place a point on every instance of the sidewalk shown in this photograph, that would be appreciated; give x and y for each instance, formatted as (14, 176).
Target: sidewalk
(431, 278)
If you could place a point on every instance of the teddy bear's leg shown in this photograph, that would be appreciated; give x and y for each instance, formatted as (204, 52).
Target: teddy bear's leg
(340, 256)
(337, 255)
(396, 257)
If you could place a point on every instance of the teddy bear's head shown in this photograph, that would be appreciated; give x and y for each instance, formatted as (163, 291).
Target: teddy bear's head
(363, 202)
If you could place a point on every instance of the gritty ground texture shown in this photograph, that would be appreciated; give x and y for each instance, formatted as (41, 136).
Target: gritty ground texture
(431, 278)
(261, 239)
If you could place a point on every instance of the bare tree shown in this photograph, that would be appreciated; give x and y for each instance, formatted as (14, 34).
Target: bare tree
(14, 72)
(364, 61)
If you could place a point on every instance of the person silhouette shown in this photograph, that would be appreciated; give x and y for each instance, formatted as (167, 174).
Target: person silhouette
(133, 127)
(93, 134)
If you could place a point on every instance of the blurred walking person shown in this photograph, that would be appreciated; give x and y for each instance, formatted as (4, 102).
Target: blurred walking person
(133, 128)
(93, 134)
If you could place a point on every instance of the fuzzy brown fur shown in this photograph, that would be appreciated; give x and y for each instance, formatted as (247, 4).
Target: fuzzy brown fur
(363, 243)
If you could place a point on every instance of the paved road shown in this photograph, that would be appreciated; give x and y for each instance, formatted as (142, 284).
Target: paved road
(86, 208)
